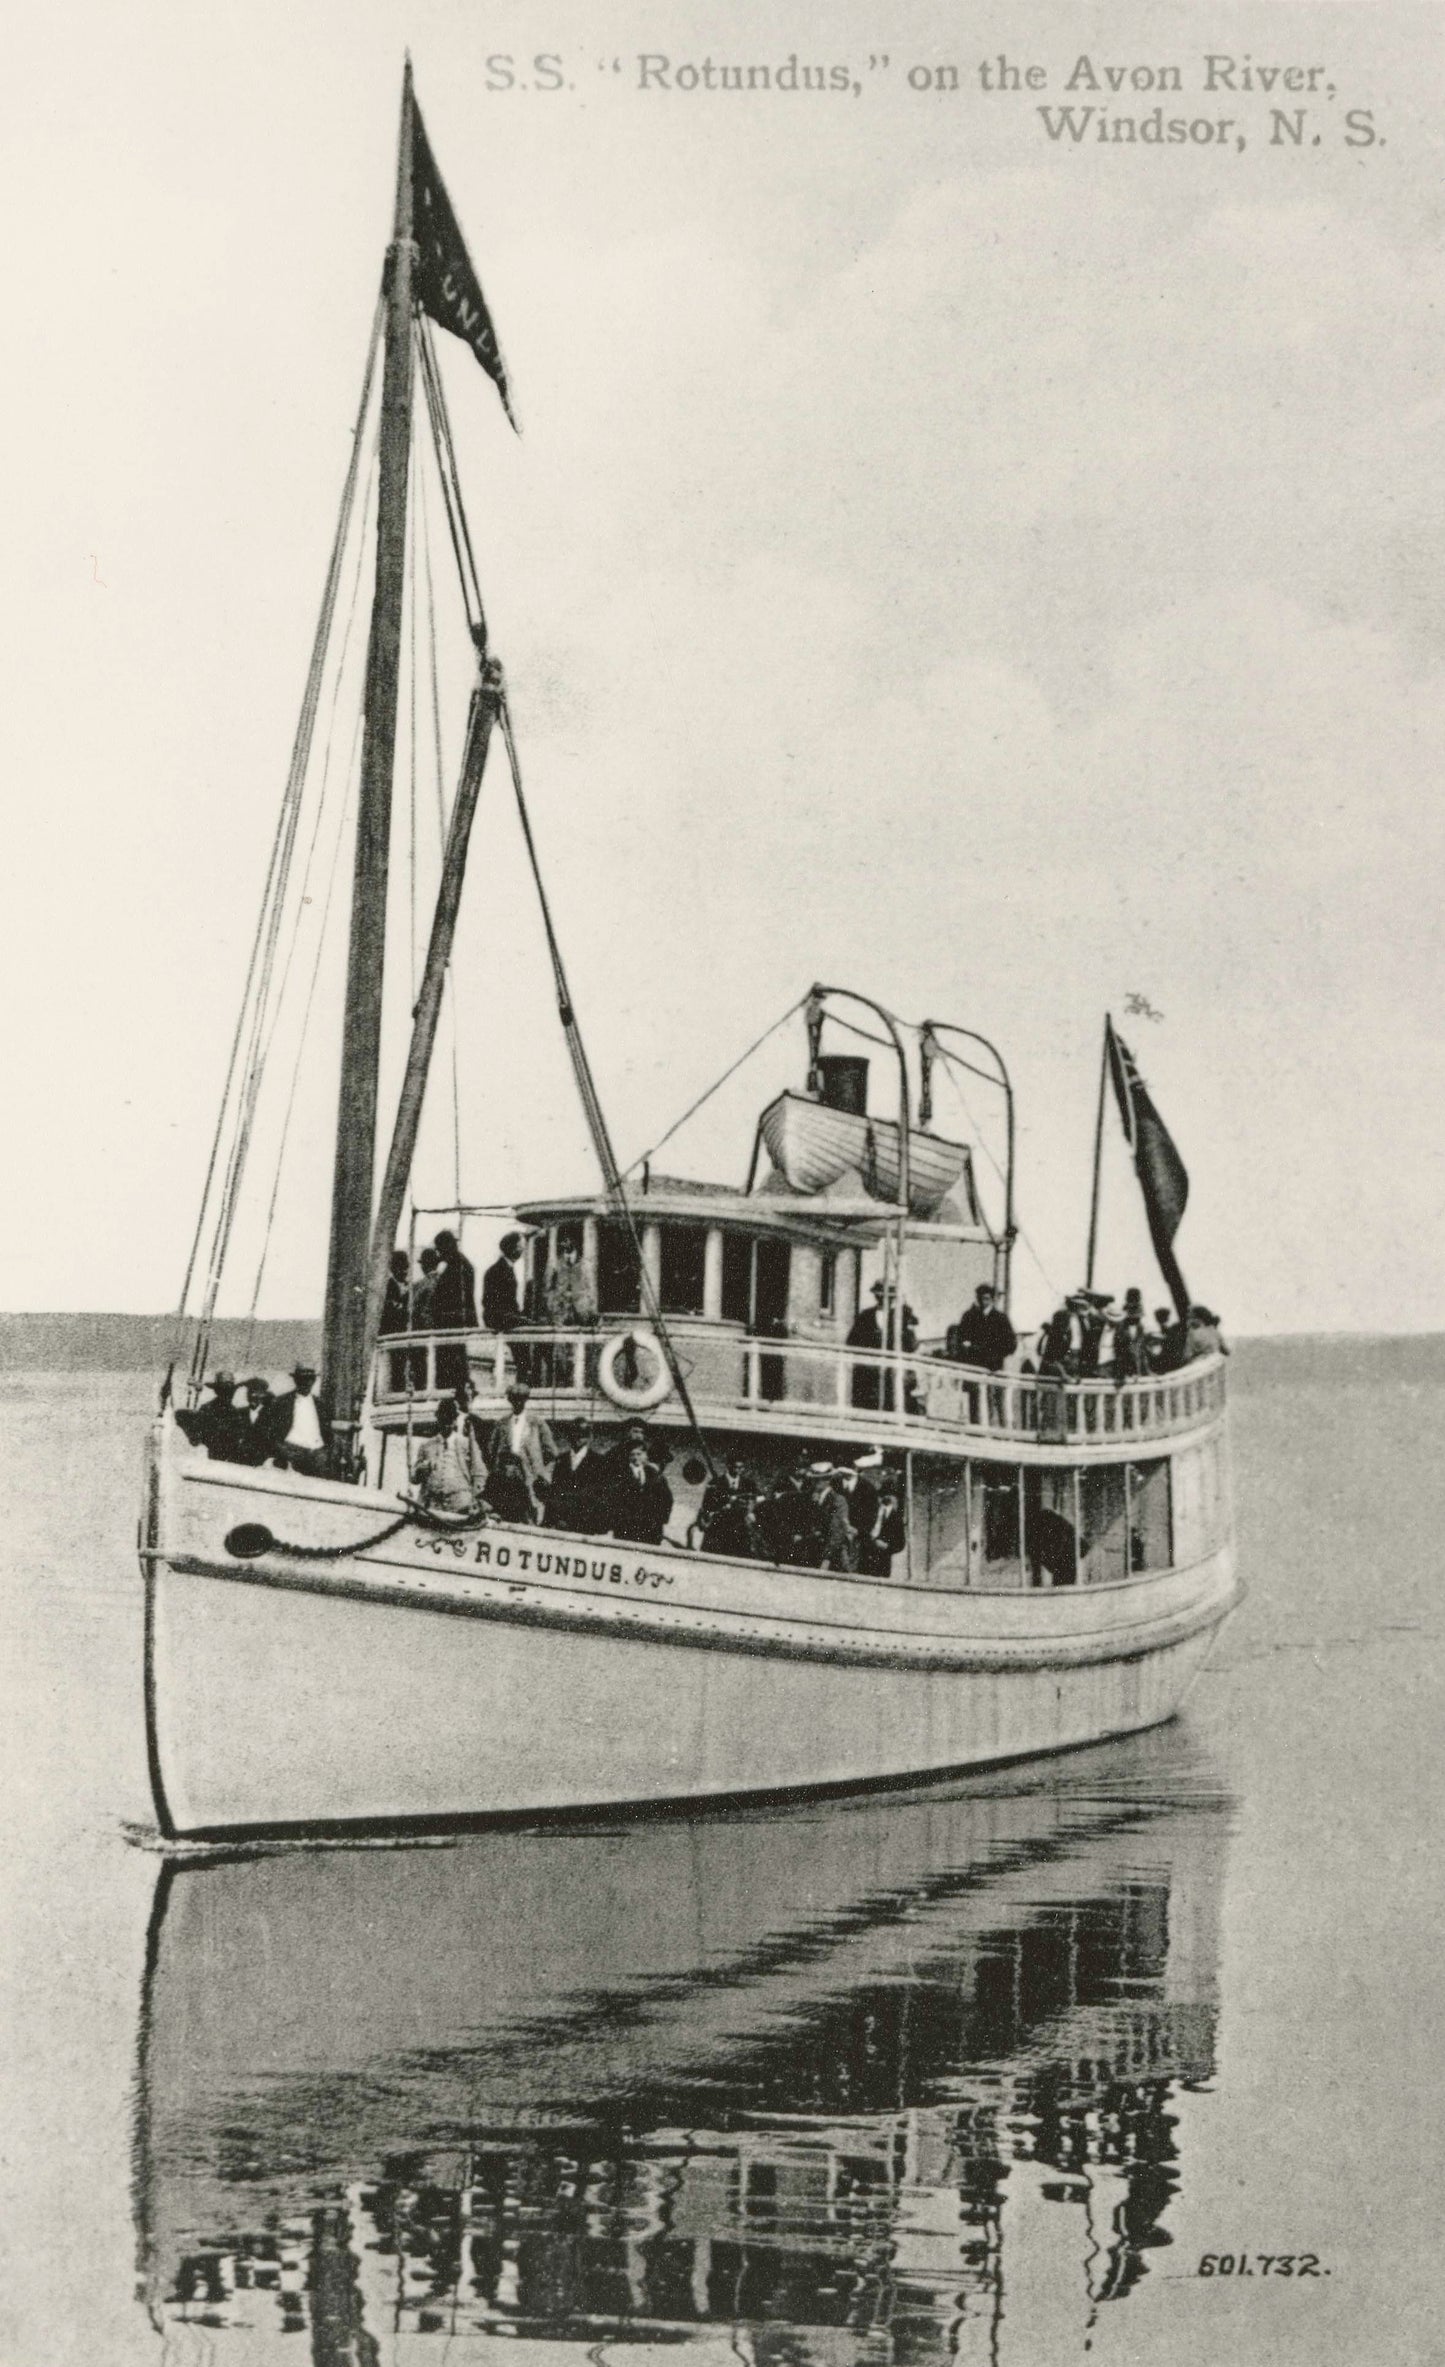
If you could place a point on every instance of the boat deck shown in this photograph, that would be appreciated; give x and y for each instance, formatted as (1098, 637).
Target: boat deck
(738, 1382)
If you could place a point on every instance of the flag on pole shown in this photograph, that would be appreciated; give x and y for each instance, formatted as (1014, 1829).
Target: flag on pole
(446, 285)
(1161, 1173)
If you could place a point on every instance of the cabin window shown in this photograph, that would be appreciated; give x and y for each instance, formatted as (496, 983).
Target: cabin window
(1150, 1522)
(1051, 1544)
(770, 1288)
(1103, 1523)
(828, 1282)
(755, 1284)
(737, 1278)
(941, 1520)
(684, 1260)
(996, 1496)
(619, 1285)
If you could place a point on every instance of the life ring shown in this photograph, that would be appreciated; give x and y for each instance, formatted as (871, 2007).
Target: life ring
(642, 1396)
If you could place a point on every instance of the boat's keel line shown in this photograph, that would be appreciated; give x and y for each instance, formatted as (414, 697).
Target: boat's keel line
(517, 1604)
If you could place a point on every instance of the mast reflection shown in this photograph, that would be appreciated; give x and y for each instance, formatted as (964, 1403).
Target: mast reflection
(885, 2080)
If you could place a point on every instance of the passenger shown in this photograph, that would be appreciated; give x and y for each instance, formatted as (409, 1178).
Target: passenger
(887, 1536)
(424, 1290)
(867, 1332)
(984, 1335)
(830, 1543)
(735, 1528)
(640, 1500)
(1203, 1336)
(785, 1514)
(528, 1440)
(856, 1483)
(501, 1299)
(299, 1429)
(567, 1296)
(220, 1424)
(1091, 1313)
(1166, 1344)
(1131, 1341)
(254, 1444)
(448, 1472)
(1057, 1354)
(396, 1306)
(453, 1307)
(578, 1488)
(720, 1492)
(507, 1493)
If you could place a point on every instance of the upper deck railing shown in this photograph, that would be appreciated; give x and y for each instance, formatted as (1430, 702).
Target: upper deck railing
(739, 1382)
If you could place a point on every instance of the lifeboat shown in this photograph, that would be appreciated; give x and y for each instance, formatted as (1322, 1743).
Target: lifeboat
(812, 1145)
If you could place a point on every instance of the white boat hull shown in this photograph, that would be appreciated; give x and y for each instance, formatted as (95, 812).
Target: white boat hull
(426, 1680)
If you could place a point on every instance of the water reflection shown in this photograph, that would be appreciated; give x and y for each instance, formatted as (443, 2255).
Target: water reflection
(886, 2080)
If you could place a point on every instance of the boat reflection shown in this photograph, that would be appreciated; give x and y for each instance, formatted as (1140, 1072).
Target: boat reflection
(816, 2086)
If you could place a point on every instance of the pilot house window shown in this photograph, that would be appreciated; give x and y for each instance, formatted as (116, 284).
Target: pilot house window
(684, 1258)
(619, 1290)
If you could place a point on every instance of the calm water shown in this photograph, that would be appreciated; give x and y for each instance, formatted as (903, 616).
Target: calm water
(976, 2074)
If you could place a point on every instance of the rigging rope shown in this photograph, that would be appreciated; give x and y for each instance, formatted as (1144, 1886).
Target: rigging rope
(646, 1157)
(436, 715)
(949, 1058)
(591, 1105)
(441, 427)
(261, 966)
(332, 876)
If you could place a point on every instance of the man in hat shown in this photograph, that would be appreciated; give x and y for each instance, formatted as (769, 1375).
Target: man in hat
(578, 1487)
(525, 1439)
(501, 1298)
(887, 1535)
(985, 1336)
(1131, 1342)
(857, 1483)
(453, 1306)
(868, 1332)
(830, 1543)
(448, 1472)
(219, 1424)
(785, 1514)
(640, 1504)
(254, 1438)
(299, 1431)
(1166, 1346)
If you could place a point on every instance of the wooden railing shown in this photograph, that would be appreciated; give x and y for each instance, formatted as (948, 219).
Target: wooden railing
(801, 1385)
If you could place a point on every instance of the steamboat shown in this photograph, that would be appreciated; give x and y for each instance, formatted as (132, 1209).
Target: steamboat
(1045, 1556)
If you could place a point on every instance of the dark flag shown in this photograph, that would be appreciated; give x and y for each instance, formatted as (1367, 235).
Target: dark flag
(1157, 1164)
(446, 285)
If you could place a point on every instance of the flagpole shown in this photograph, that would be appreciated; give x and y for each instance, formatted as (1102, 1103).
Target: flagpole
(1098, 1154)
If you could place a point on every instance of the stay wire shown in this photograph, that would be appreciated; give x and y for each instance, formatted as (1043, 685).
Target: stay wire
(949, 1058)
(591, 1104)
(332, 876)
(261, 964)
(274, 1003)
(645, 1158)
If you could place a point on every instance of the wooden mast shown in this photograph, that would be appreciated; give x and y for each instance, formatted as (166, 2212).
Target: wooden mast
(351, 1197)
(486, 704)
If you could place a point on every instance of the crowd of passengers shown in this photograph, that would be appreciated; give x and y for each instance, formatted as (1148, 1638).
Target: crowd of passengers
(1086, 1338)
(816, 1514)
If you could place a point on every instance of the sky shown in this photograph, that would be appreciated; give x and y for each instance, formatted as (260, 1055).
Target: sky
(997, 572)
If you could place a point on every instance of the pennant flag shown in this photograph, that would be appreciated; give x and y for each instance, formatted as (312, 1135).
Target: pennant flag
(1160, 1170)
(447, 287)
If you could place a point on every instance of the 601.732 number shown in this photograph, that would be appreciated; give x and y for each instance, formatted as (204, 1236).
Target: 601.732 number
(1263, 2264)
